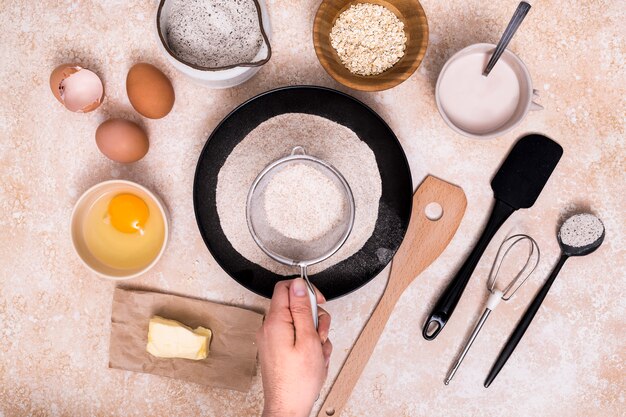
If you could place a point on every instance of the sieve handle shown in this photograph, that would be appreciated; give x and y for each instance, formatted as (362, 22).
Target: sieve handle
(312, 296)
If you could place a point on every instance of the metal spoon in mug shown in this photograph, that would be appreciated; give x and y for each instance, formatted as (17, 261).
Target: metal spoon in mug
(514, 24)
(579, 235)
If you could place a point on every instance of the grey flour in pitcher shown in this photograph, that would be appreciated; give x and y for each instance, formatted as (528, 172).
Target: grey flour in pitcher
(214, 33)
(275, 138)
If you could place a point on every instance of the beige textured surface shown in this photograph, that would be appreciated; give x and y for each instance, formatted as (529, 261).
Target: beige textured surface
(54, 315)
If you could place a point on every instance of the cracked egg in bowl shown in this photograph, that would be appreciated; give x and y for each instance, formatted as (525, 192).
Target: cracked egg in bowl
(119, 229)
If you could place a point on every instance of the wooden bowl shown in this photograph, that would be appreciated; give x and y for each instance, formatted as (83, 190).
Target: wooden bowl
(410, 12)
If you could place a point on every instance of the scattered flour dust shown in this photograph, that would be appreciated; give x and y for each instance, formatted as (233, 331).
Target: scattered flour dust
(275, 138)
(302, 203)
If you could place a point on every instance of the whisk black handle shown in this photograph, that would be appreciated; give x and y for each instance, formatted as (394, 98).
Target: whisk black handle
(523, 324)
(448, 300)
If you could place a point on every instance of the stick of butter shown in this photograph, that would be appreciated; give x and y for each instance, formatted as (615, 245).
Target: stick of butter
(171, 339)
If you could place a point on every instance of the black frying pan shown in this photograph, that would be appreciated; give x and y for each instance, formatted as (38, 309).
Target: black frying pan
(395, 204)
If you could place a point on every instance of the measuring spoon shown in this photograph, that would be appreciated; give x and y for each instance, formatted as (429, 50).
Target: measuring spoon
(522, 326)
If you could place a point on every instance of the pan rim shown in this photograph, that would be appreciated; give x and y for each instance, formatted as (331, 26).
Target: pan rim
(396, 141)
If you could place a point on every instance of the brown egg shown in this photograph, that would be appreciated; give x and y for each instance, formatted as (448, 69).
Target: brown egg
(78, 89)
(149, 91)
(122, 140)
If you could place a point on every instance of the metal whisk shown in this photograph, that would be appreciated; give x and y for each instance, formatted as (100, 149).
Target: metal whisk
(496, 295)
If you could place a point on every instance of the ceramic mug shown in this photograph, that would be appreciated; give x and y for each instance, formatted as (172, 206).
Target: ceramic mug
(507, 114)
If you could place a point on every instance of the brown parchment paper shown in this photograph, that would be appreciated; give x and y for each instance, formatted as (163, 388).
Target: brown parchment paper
(231, 362)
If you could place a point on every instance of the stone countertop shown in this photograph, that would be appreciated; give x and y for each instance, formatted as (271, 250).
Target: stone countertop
(55, 315)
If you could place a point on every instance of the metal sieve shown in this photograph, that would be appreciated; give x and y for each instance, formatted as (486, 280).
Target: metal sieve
(290, 251)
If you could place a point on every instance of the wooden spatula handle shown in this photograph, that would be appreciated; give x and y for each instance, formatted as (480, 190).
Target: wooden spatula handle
(358, 357)
(425, 240)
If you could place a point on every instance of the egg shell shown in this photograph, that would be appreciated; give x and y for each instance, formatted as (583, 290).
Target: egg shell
(149, 91)
(122, 140)
(81, 94)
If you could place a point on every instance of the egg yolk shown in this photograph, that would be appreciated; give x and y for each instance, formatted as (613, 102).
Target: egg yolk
(128, 213)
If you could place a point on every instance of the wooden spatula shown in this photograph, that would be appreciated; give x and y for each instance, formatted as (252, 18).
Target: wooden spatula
(424, 241)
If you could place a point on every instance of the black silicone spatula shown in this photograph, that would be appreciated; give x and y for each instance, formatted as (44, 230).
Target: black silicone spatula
(516, 185)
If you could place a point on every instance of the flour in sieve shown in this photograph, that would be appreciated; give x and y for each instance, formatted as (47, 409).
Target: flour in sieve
(303, 204)
(274, 139)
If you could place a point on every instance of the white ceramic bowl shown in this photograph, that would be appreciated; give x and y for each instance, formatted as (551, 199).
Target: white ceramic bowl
(216, 78)
(80, 211)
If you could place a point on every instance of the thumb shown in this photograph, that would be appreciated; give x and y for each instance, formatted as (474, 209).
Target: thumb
(301, 312)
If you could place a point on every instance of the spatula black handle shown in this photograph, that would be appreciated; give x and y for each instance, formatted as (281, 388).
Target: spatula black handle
(448, 300)
(523, 324)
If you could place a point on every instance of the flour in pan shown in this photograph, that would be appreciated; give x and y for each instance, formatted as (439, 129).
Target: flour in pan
(274, 139)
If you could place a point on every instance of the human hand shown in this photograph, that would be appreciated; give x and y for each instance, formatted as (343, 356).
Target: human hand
(294, 355)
